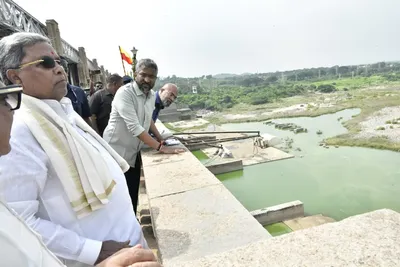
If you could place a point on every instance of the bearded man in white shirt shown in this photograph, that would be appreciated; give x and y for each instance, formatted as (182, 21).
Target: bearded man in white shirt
(130, 121)
(60, 176)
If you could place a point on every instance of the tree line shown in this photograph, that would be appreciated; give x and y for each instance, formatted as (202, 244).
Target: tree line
(225, 90)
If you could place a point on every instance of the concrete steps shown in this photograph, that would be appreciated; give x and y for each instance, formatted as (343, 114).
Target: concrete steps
(291, 214)
(308, 222)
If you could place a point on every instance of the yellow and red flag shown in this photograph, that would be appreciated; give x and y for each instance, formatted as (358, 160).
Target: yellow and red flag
(125, 56)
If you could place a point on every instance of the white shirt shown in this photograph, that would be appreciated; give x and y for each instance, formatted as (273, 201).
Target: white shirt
(20, 246)
(131, 115)
(31, 187)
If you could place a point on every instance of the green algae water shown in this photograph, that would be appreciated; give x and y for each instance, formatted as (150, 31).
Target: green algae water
(336, 182)
(201, 156)
(277, 229)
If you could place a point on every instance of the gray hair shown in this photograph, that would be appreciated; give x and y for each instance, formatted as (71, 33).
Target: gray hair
(12, 50)
(146, 63)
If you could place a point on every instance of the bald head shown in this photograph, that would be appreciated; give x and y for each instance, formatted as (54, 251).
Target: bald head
(168, 94)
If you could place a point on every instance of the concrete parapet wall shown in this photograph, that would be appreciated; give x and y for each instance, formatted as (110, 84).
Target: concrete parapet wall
(367, 240)
(193, 214)
(279, 213)
(169, 117)
(224, 167)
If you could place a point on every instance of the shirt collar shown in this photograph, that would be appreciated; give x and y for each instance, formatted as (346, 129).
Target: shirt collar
(107, 92)
(139, 92)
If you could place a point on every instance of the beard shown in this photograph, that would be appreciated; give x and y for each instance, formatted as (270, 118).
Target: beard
(145, 87)
(166, 103)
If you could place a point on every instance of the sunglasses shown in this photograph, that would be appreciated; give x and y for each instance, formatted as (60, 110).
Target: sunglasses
(11, 96)
(45, 62)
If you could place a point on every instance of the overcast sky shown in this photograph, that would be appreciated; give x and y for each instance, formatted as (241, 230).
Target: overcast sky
(199, 37)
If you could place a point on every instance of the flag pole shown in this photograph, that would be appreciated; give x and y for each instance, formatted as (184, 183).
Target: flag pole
(122, 60)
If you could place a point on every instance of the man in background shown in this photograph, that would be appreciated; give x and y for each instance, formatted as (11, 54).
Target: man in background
(100, 103)
(97, 87)
(77, 96)
(127, 79)
(164, 98)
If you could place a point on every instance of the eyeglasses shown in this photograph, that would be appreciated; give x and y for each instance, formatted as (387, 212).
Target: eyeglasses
(11, 96)
(45, 62)
(173, 96)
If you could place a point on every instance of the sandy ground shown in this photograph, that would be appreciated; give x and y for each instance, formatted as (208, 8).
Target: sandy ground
(283, 111)
(239, 116)
(379, 119)
(292, 109)
(189, 124)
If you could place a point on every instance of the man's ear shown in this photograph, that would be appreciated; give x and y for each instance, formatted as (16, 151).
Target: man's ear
(12, 76)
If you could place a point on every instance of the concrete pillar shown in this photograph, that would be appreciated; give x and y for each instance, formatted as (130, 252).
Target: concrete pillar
(53, 33)
(96, 65)
(103, 75)
(83, 70)
(97, 77)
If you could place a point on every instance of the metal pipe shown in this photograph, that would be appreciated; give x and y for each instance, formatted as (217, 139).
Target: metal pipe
(231, 132)
(186, 143)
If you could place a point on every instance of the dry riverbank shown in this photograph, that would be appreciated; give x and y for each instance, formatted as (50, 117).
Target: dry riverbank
(377, 126)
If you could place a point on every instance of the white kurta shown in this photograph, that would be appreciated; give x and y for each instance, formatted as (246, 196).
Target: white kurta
(20, 246)
(31, 187)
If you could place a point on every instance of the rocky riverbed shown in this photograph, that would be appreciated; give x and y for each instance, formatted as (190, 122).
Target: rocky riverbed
(383, 123)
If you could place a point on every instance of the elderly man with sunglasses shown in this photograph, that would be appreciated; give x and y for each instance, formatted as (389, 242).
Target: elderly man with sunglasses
(32, 251)
(61, 177)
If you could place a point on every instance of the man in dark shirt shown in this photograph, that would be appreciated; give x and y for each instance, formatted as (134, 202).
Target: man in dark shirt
(97, 87)
(77, 97)
(164, 98)
(100, 103)
(79, 102)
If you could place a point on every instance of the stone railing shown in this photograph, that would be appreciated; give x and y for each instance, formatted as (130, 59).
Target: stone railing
(73, 54)
(371, 239)
(198, 222)
(14, 18)
(193, 214)
(17, 19)
(70, 51)
(91, 65)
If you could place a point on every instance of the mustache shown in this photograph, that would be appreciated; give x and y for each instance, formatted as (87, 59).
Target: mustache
(145, 86)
